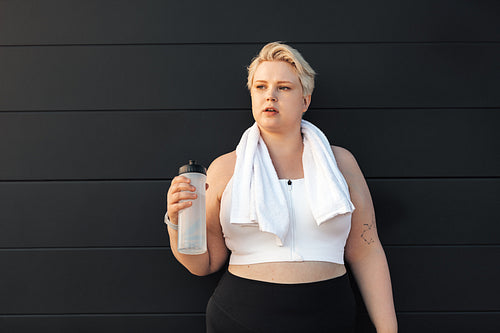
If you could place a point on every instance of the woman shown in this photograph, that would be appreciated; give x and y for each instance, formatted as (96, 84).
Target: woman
(264, 205)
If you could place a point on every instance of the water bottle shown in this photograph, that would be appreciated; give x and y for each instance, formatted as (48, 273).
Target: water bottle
(192, 220)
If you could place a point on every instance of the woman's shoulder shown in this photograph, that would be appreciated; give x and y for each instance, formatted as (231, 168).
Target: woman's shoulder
(221, 170)
(347, 164)
(343, 156)
(360, 194)
(224, 164)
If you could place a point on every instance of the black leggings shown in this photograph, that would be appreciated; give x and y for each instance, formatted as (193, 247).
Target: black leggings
(241, 305)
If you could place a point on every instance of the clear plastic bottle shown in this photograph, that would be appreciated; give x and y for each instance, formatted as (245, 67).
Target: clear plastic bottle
(192, 235)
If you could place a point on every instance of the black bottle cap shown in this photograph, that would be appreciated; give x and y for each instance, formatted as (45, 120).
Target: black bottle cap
(192, 167)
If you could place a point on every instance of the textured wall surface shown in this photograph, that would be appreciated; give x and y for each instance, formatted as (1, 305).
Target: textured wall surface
(101, 101)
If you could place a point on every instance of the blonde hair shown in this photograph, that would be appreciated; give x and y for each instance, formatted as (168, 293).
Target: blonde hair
(277, 51)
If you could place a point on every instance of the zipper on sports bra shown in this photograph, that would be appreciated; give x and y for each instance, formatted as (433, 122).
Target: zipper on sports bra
(292, 220)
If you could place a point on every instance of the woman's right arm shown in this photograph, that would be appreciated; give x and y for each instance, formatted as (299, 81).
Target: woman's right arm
(181, 189)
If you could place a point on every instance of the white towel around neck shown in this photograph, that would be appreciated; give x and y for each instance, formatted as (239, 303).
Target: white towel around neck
(257, 196)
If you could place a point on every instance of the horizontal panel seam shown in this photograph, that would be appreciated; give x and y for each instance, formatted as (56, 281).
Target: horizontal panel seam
(239, 43)
(197, 314)
(471, 245)
(128, 110)
(231, 109)
(83, 180)
(434, 178)
(169, 179)
(166, 314)
(89, 248)
(167, 248)
(448, 312)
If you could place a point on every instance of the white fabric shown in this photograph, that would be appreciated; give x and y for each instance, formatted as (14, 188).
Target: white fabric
(257, 196)
(305, 240)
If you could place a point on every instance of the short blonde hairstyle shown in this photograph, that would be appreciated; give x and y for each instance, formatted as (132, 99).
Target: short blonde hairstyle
(278, 51)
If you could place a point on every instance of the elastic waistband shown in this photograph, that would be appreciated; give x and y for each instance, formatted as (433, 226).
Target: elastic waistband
(244, 298)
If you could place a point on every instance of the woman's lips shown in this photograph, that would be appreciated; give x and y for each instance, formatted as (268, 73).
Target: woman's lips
(270, 110)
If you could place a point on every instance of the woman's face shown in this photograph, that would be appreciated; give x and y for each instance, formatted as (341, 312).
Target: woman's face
(277, 98)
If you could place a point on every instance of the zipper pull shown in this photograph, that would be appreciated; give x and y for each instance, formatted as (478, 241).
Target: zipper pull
(290, 184)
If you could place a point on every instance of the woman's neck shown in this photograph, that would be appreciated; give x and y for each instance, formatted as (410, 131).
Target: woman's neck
(288, 144)
(286, 153)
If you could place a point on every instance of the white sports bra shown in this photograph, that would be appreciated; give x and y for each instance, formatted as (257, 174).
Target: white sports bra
(305, 241)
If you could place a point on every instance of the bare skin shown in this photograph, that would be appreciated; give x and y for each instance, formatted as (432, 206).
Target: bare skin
(277, 106)
(289, 272)
(277, 272)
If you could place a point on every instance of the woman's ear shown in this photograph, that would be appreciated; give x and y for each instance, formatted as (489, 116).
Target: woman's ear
(307, 102)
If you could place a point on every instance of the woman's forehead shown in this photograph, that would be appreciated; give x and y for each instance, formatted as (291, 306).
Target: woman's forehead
(275, 71)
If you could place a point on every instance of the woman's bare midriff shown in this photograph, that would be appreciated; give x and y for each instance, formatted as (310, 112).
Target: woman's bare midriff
(289, 272)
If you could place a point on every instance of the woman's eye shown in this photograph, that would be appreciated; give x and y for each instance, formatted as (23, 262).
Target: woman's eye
(284, 88)
(260, 87)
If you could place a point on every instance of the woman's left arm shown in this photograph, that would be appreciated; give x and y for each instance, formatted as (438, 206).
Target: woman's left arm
(364, 252)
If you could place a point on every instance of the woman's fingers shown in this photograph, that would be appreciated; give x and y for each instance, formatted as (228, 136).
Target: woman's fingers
(181, 183)
(180, 190)
(175, 208)
(183, 195)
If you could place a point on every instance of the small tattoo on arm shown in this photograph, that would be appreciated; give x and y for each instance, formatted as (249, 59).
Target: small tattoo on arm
(366, 233)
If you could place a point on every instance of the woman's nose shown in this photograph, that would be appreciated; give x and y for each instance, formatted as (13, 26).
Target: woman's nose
(271, 97)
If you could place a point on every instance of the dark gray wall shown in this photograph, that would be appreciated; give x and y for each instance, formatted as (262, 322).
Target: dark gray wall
(101, 101)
